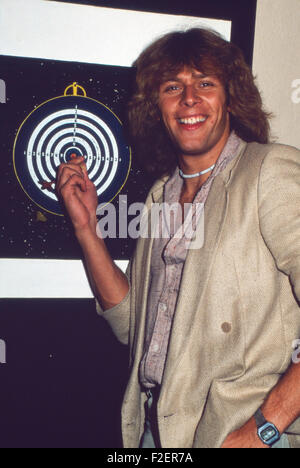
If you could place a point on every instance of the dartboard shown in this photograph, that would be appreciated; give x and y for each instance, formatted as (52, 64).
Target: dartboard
(62, 129)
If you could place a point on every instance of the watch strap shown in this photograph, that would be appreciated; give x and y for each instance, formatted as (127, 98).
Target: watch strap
(259, 418)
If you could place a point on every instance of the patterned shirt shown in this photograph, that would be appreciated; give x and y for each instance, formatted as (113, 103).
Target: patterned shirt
(167, 262)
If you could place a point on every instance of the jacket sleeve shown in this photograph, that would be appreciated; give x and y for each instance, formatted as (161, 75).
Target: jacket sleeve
(121, 318)
(118, 316)
(279, 209)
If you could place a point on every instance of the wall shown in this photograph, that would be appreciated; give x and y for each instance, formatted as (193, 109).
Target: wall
(277, 65)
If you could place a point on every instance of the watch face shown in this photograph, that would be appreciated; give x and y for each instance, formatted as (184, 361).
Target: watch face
(268, 433)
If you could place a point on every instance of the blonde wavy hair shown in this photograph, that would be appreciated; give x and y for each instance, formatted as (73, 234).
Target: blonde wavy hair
(208, 52)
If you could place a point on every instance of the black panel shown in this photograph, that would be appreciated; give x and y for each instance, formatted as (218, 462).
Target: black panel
(64, 379)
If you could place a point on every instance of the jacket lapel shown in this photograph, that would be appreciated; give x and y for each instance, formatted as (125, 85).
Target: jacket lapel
(143, 269)
(195, 276)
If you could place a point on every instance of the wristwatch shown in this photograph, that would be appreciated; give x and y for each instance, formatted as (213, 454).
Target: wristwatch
(266, 431)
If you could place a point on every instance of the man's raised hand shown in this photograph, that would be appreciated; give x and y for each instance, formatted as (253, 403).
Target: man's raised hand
(78, 194)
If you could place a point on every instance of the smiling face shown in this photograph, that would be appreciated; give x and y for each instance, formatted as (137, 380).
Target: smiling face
(195, 113)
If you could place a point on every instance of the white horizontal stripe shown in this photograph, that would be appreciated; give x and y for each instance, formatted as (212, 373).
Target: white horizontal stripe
(49, 279)
(81, 33)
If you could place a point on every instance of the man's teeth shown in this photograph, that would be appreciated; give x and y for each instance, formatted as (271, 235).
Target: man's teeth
(192, 120)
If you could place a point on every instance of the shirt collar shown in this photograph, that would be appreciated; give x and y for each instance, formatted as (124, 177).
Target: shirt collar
(173, 187)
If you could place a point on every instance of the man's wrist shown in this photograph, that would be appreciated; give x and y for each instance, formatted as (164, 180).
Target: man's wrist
(87, 231)
(273, 411)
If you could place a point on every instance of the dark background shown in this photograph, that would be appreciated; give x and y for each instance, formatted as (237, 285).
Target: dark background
(65, 375)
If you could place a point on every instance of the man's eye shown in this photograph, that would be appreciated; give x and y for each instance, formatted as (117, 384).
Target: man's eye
(206, 84)
(171, 88)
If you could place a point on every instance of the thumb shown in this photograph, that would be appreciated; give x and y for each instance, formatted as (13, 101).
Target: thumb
(83, 167)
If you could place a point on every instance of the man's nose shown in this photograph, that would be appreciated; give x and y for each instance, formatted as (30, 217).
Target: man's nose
(191, 96)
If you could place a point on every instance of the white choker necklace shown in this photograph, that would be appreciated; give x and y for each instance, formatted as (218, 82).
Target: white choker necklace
(191, 176)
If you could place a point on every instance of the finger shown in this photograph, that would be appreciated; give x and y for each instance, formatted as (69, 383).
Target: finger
(83, 167)
(77, 164)
(79, 161)
(70, 184)
(84, 171)
(74, 163)
(70, 165)
(70, 188)
(66, 171)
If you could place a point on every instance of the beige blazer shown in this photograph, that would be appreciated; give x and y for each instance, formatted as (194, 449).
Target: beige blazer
(237, 313)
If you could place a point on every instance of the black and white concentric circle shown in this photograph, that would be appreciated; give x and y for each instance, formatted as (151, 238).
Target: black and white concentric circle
(62, 129)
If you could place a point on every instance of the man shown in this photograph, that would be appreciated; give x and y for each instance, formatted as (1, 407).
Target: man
(211, 329)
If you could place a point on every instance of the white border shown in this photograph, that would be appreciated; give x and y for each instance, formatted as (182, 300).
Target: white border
(50, 279)
(88, 34)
